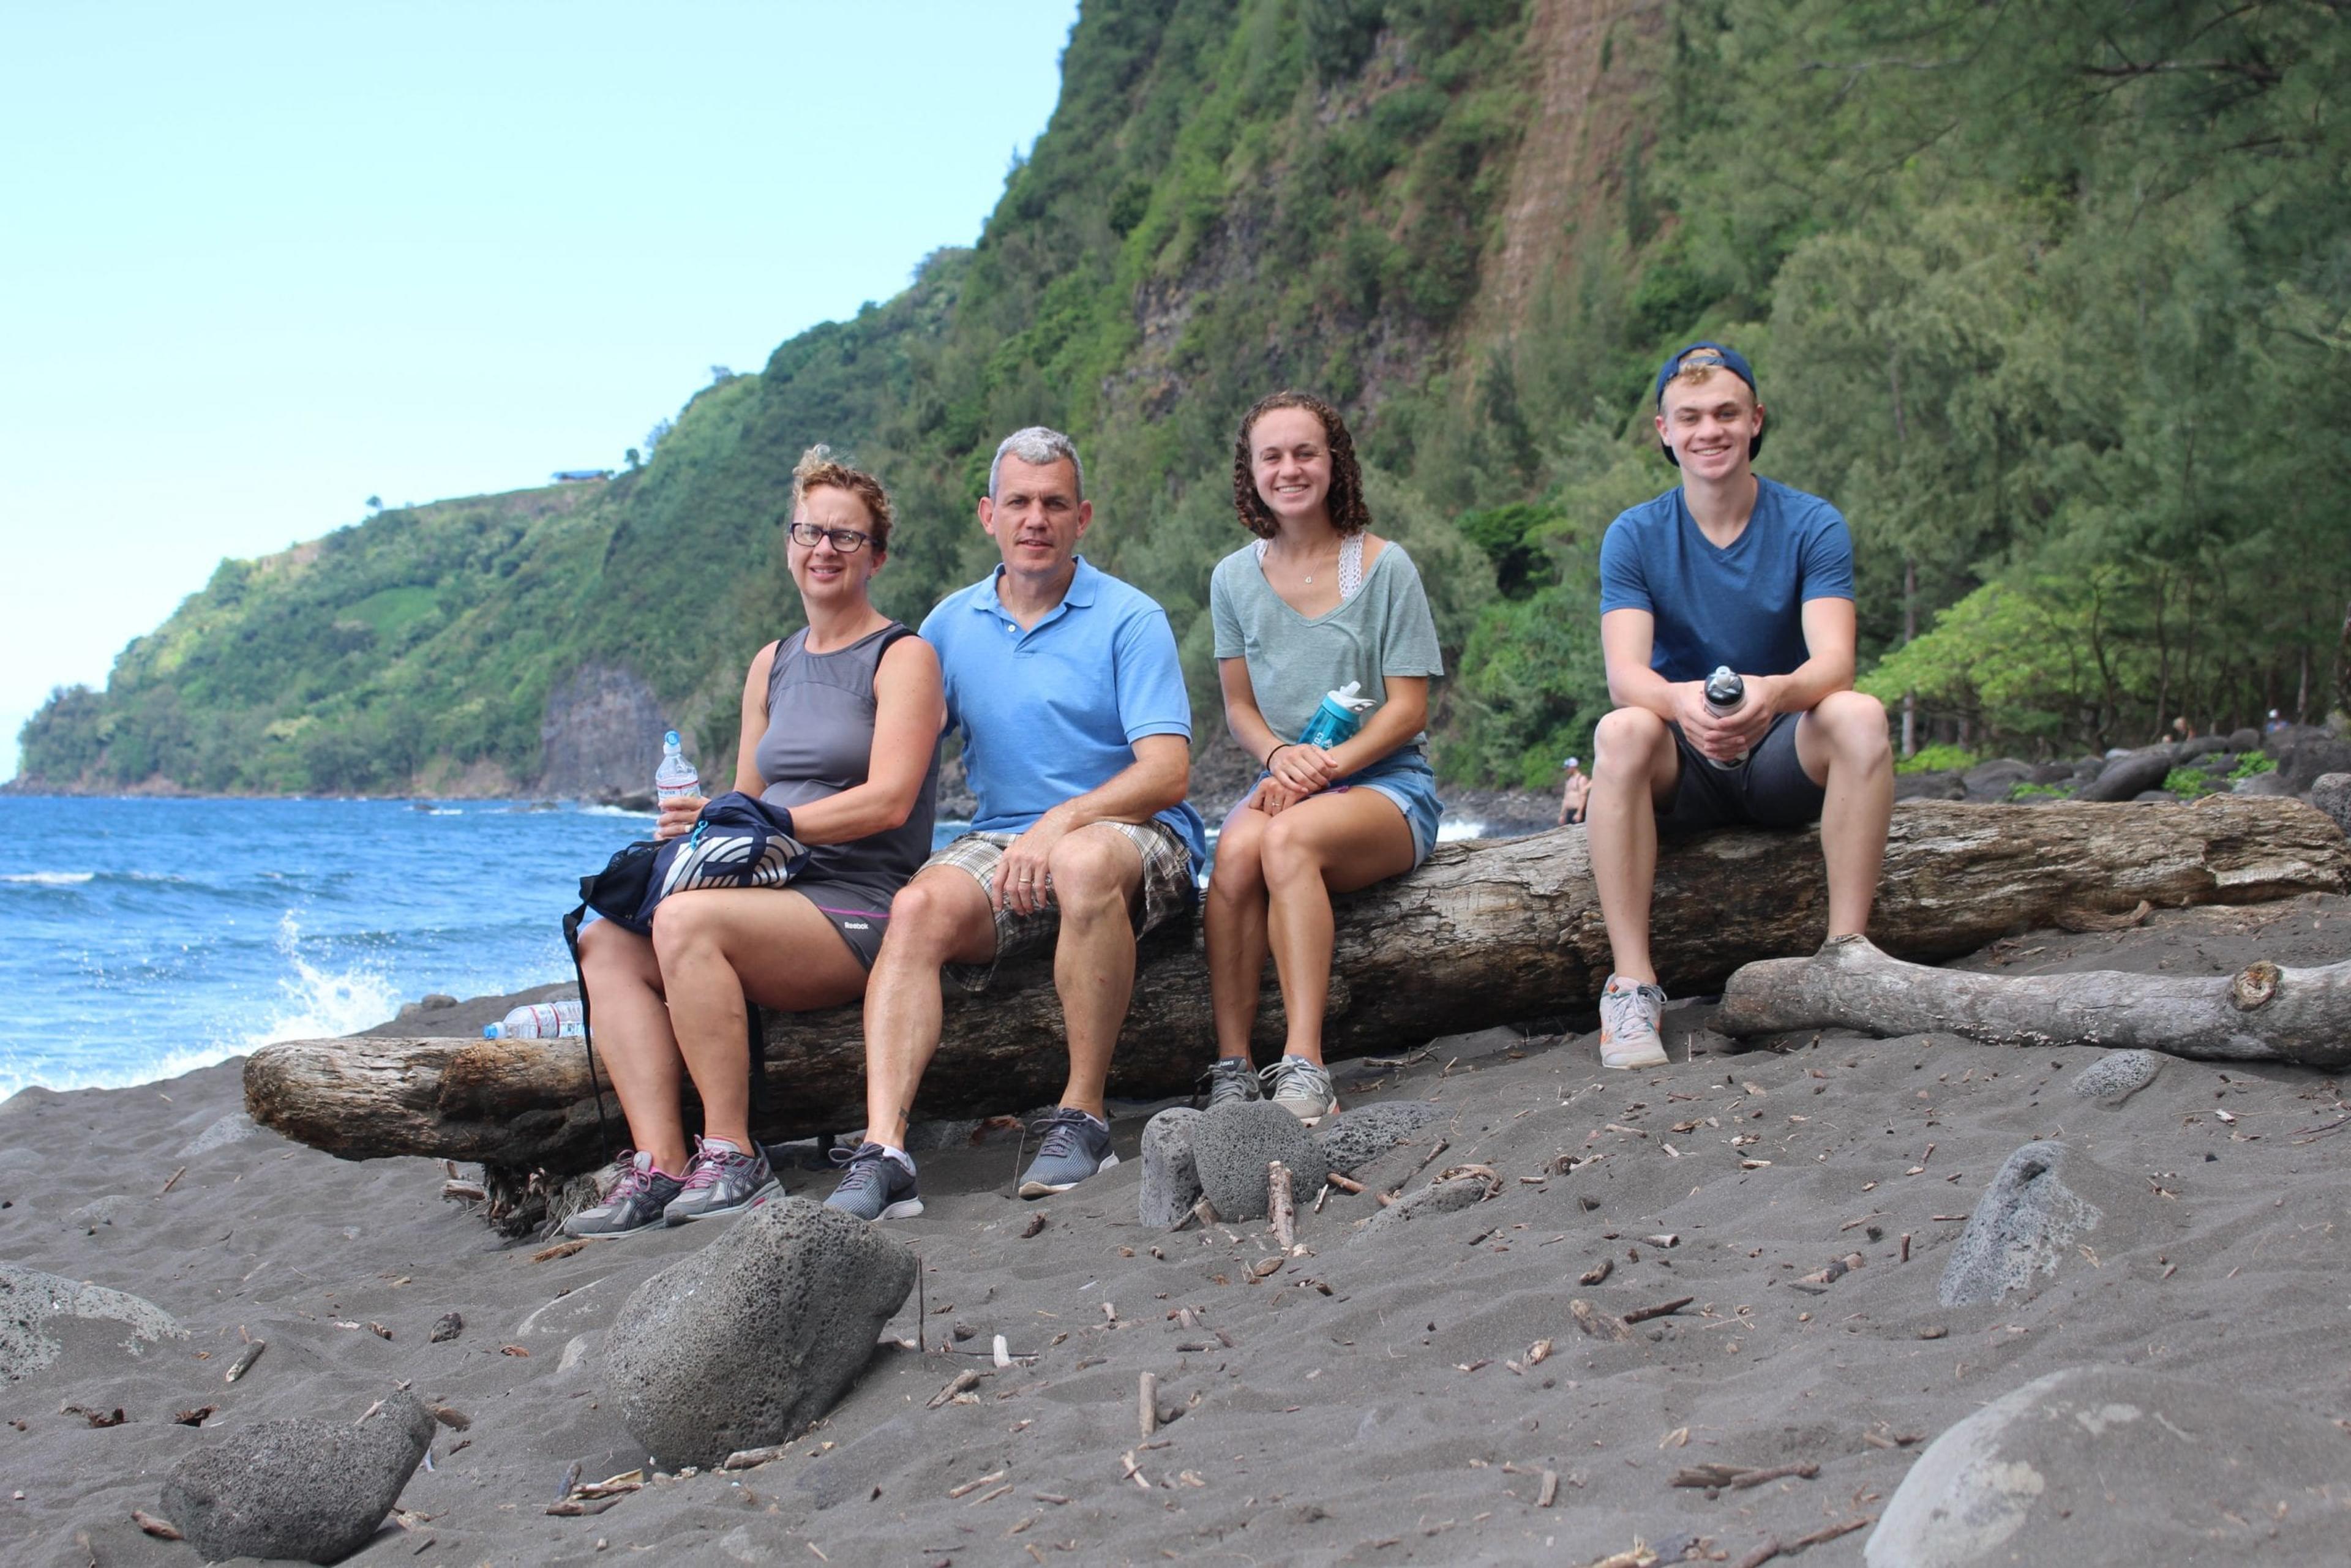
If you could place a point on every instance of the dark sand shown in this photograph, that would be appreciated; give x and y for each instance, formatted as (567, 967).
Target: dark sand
(1384, 1422)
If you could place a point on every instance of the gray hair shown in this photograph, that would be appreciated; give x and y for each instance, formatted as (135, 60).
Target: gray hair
(1040, 447)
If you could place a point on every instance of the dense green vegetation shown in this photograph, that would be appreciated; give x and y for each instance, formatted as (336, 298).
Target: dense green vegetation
(2054, 301)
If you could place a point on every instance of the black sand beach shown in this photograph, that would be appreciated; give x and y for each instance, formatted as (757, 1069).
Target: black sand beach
(1382, 1398)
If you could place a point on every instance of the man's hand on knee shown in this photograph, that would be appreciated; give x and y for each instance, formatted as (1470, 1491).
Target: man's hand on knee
(1023, 880)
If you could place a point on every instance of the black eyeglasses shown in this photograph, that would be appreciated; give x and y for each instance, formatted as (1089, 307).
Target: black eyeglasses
(848, 541)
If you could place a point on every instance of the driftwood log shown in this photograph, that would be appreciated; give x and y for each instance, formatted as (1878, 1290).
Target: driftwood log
(2261, 1013)
(1494, 932)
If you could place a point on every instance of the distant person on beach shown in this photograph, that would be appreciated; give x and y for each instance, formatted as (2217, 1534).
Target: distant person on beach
(1727, 569)
(1574, 792)
(1077, 745)
(840, 727)
(1316, 603)
(2274, 722)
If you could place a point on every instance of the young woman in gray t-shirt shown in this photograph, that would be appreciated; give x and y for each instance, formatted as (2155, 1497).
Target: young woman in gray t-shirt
(1318, 601)
(841, 725)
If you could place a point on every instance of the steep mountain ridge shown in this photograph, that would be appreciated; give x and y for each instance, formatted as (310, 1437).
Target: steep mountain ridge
(2054, 303)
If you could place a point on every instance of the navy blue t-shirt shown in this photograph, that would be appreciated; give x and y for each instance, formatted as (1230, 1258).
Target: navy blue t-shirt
(1743, 606)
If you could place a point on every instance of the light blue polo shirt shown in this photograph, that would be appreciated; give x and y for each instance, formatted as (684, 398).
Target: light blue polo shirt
(1054, 711)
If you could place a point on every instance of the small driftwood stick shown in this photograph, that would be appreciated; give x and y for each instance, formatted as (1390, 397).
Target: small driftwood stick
(1281, 1210)
(1146, 1404)
(1663, 1309)
(244, 1364)
(2261, 1013)
(1343, 1183)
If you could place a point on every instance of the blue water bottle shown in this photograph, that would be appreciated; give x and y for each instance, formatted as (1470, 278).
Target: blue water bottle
(1337, 717)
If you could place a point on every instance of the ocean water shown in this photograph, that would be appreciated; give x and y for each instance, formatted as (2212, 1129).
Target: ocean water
(142, 938)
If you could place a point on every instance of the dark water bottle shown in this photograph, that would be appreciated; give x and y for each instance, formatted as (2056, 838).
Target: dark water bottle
(1724, 692)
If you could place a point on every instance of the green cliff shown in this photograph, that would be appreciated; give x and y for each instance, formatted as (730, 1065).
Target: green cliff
(2054, 305)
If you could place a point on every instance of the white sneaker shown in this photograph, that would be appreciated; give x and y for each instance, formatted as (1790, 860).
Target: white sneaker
(1629, 1010)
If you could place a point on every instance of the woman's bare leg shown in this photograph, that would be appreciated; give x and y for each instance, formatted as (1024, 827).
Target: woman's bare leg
(633, 1039)
(1233, 923)
(715, 946)
(1334, 843)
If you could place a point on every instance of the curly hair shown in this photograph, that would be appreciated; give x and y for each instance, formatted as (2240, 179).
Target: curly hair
(1349, 515)
(817, 469)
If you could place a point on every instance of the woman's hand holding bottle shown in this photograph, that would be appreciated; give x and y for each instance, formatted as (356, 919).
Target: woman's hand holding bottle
(678, 815)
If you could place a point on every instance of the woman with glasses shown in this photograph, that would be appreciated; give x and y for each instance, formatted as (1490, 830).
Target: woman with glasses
(1316, 603)
(840, 727)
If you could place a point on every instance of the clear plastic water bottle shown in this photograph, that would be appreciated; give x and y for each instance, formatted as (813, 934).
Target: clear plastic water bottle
(538, 1021)
(1724, 692)
(676, 776)
(1337, 717)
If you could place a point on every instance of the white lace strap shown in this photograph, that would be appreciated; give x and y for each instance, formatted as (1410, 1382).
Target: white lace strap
(1351, 566)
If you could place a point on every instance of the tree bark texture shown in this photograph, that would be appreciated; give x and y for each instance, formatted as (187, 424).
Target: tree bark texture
(2261, 1013)
(1486, 933)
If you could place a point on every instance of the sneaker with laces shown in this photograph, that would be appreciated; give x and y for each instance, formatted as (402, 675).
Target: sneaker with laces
(1076, 1145)
(1302, 1088)
(1228, 1078)
(634, 1203)
(722, 1180)
(1629, 1010)
(876, 1185)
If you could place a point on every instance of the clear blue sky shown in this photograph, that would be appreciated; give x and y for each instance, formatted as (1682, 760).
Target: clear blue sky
(261, 262)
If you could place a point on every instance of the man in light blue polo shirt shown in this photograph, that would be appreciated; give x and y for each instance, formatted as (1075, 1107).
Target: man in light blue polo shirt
(1078, 744)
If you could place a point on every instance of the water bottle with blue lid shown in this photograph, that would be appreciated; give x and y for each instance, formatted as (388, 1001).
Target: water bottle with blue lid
(1337, 717)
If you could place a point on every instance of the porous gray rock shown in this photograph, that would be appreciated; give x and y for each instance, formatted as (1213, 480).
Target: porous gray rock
(1436, 1198)
(2202, 746)
(2024, 1219)
(747, 1341)
(300, 1488)
(2332, 794)
(2272, 784)
(2123, 777)
(2245, 740)
(35, 1306)
(234, 1128)
(2112, 1464)
(1171, 1180)
(1365, 1131)
(2117, 1076)
(1232, 1144)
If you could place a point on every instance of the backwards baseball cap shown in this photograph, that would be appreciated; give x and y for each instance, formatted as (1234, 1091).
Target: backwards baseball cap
(1704, 356)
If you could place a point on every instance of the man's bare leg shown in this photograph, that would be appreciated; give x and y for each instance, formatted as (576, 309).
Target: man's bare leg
(940, 918)
(1634, 767)
(1096, 872)
(1843, 747)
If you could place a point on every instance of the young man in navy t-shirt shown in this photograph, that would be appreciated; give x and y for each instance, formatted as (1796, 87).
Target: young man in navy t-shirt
(1732, 570)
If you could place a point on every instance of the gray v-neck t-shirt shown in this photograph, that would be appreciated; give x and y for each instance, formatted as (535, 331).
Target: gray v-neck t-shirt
(1384, 629)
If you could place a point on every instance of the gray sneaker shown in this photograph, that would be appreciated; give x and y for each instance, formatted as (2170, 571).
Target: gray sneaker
(876, 1185)
(1076, 1146)
(721, 1181)
(1228, 1078)
(634, 1203)
(1302, 1088)
(1629, 1011)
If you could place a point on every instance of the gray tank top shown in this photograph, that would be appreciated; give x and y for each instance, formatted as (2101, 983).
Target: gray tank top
(820, 741)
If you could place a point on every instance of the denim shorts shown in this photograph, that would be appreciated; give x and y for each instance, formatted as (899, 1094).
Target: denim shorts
(1406, 778)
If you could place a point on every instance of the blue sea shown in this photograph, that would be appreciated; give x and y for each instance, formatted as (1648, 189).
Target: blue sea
(141, 938)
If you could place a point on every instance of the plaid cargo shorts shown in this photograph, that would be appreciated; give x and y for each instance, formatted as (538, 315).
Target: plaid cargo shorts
(1167, 889)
